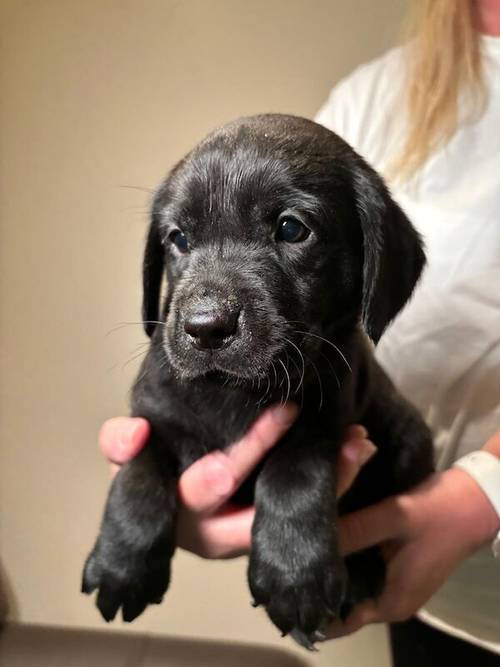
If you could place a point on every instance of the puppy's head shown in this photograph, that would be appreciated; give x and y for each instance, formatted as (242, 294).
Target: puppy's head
(273, 233)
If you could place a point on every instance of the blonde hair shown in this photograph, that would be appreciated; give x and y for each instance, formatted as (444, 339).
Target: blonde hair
(444, 84)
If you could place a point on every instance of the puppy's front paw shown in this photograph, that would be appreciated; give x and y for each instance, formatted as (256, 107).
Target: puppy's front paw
(301, 584)
(126, 578)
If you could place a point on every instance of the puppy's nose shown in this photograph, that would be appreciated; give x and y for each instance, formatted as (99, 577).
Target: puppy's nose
(211, 329)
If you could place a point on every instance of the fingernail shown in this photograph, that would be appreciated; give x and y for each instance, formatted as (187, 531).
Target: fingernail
(127, 434)
(285, 414)
(359, 451)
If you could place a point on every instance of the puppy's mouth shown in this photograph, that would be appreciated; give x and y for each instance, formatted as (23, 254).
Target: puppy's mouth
(223, 341)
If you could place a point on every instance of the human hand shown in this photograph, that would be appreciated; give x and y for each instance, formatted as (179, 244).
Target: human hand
(208, 524)
(424, 535)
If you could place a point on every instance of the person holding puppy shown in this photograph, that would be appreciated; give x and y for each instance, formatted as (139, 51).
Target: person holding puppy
(425, 115)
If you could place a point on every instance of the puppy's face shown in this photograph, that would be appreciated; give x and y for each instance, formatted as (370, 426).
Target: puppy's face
(260, 230)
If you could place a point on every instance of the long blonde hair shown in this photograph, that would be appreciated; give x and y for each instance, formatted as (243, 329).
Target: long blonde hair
(444, 84)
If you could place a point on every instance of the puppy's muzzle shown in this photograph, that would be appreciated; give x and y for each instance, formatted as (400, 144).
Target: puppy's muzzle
(211, 326)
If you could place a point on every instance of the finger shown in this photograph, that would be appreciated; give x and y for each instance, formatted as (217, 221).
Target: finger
(121, 438)
(371, 526)
(353, 456)
(356, 432)
(265, 432)
(223, 535)
(363, 614)
(210, 481)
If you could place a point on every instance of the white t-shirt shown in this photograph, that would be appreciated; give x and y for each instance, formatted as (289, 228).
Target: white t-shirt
(443, 350)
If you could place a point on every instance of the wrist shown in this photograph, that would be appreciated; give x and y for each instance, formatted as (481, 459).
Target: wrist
(478, 517)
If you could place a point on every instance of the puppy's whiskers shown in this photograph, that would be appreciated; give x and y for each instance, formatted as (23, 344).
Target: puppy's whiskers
(266, 392)
(301, 380)
(306, 360)
(142, 353)
(328, 342)
(121, 325)
(162, 365)
(289, 384)
(275, 373)
(149, 191)
(332, 368)
(300, 372)
(319, 383)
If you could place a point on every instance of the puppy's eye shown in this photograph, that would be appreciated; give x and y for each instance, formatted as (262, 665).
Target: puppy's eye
(291, 230)
(179, 240)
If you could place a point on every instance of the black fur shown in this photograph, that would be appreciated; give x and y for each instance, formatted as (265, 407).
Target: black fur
(354, 271)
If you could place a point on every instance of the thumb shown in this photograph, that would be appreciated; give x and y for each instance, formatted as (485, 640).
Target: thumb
(122, 438)
(362, 614)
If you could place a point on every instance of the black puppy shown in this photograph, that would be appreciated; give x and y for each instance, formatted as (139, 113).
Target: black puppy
(280, 246)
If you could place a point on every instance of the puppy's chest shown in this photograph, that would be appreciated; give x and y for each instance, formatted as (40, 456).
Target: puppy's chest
(223, 416)
(196, 417)
(204, 418)
(221, 420)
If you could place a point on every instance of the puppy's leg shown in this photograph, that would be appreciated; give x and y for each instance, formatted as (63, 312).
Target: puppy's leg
(404, 458)
(295, 568)
(405, 450)
(130, 562)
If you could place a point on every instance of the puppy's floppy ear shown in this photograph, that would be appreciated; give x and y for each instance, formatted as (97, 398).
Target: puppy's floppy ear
(152, 273)
(393, 252)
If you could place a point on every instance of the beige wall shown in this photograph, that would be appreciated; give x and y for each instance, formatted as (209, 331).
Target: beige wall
(98, 95)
